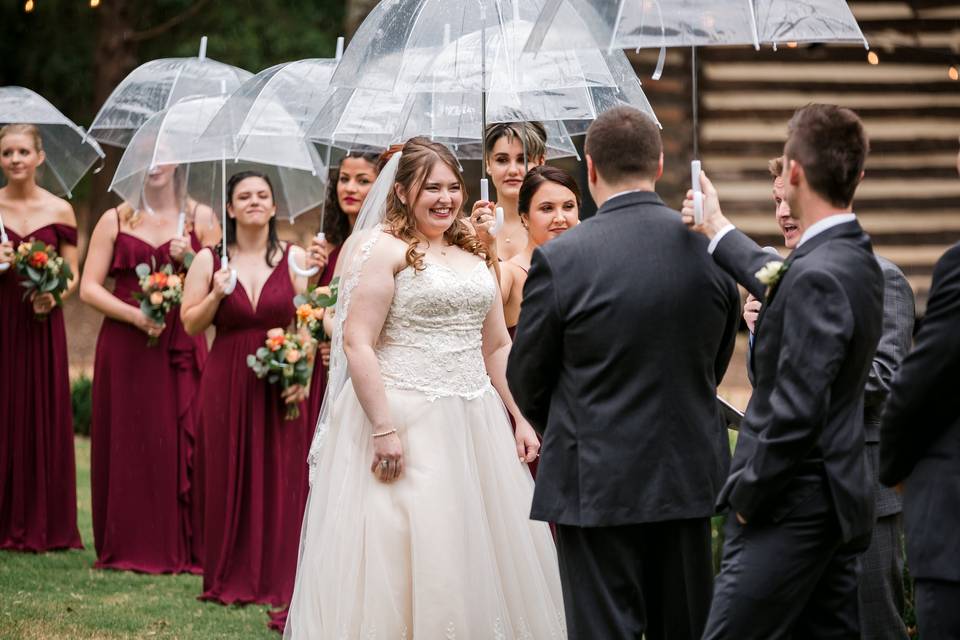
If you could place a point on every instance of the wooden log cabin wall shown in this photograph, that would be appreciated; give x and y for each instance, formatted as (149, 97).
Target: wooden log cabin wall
(909, 201)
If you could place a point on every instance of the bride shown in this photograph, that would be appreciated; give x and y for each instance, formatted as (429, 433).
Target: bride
(417, 522)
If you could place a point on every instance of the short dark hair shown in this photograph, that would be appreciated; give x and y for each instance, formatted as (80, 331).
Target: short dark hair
(532, 135)
(537, 177)
(829, 142)
(624, 143)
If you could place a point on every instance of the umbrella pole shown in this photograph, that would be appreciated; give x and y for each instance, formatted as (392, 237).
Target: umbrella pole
(3, 238)
(695, 102)
(484, 183)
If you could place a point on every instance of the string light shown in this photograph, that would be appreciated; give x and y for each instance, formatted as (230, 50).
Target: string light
(873, 58)
(792, 45)
(28, 7)
(953, 73)
(94, 4)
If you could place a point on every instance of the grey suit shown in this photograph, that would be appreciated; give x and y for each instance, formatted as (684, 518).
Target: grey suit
(880, 580)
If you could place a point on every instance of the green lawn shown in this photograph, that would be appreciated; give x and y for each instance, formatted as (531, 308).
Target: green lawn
(60, 596)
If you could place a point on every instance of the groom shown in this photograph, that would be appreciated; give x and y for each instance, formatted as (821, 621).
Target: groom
(626, 329)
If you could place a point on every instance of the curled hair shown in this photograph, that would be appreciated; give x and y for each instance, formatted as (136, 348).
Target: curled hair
(775, 166)
(537, 177)
(336, 224)
(532, 135)
(230, 233)
(420, 156)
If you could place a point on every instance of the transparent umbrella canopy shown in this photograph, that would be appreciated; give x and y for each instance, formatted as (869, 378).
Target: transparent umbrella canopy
(69, 152)
(175, 137)
(155, 86)
(638, 24)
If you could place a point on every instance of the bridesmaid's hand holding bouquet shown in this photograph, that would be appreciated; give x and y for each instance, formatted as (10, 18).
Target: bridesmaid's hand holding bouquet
(160, 291)
(45, 275)
(285, 359)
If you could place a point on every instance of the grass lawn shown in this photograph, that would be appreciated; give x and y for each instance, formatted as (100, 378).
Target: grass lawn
(60, 596)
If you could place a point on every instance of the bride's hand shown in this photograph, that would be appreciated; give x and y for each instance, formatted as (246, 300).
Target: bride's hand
(387, 457)
(528, 444)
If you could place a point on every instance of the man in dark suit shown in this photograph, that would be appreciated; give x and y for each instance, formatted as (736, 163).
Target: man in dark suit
(880, 575)
(626, 329)
(920, 448)
(799, 491)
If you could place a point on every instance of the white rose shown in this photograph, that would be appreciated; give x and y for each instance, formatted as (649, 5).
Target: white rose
(770, 273)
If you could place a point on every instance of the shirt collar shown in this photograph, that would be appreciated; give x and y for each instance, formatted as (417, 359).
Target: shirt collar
(826, 223)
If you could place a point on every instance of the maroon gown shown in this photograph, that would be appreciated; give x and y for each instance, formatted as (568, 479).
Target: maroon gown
(254, 461)
(145, 502)
(38, 485)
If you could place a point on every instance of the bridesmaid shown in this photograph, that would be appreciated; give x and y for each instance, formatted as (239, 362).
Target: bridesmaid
(505, 143)
(254, 460)
(348, 189)
(145, 507)
(548, 204)
(38, 493)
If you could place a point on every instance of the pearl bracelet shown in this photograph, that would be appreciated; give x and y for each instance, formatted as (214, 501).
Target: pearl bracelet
(383, 433)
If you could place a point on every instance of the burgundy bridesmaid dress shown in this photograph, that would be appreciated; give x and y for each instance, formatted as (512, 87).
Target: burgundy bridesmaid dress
(143, 432)
(254, 461)
(38, 484)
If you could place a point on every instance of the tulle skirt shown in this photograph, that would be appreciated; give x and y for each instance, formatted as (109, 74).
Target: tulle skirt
(447, 551)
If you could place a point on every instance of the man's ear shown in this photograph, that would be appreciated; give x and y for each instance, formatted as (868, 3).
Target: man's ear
(591, 171)
(794, 173)
(659, 168)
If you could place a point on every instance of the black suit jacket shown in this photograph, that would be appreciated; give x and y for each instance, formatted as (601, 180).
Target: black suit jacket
(625, 331)
(920, 431)
(815, 340)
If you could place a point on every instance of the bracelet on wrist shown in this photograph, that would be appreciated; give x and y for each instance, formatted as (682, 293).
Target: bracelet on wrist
(384, 433)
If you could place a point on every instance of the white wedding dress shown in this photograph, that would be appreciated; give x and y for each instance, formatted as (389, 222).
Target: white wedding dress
(448, 550)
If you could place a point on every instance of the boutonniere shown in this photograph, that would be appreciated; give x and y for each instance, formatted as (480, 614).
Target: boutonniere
(771, 274)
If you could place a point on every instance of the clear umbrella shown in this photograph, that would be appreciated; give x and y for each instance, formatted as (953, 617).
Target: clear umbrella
(637, 24)
(69, 152)
(613, 24)
(158, 84)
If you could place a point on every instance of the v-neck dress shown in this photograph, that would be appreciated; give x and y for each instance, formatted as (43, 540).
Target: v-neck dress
(143, 432)
(38, 492)
(254, 461)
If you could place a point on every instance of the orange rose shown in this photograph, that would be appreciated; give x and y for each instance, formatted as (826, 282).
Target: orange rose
(293, 356)
(39, 259)
(304, 312)
(159, 280)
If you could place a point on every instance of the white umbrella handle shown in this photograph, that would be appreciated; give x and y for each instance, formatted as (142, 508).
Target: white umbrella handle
(3, 238)
(232, 283)
(181, 223)
(304, 273)
(497, 223)
(697, 192)
(485, 189)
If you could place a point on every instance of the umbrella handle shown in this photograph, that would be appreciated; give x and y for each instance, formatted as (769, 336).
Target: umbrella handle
(497, 223)
(232, 283)
(695, 170)
(485, 189)
(304, 273)
(4, 238)
(181, 223)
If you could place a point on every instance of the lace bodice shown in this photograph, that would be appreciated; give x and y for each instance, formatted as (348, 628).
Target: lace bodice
(431, 339)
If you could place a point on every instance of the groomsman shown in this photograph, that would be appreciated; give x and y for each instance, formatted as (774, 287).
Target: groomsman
(626, 329)
(880, 575)
(799, 492)
(920, 449)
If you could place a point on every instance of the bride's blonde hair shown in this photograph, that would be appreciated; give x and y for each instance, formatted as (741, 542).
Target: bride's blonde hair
(420, 156)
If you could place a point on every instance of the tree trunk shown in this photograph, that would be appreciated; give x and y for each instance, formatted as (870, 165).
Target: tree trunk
(114, 57)
(357, 10)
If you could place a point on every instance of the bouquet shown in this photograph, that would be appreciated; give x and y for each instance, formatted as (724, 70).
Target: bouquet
(312, 306)
(286, 359)
(42, 270)
(160, 291)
